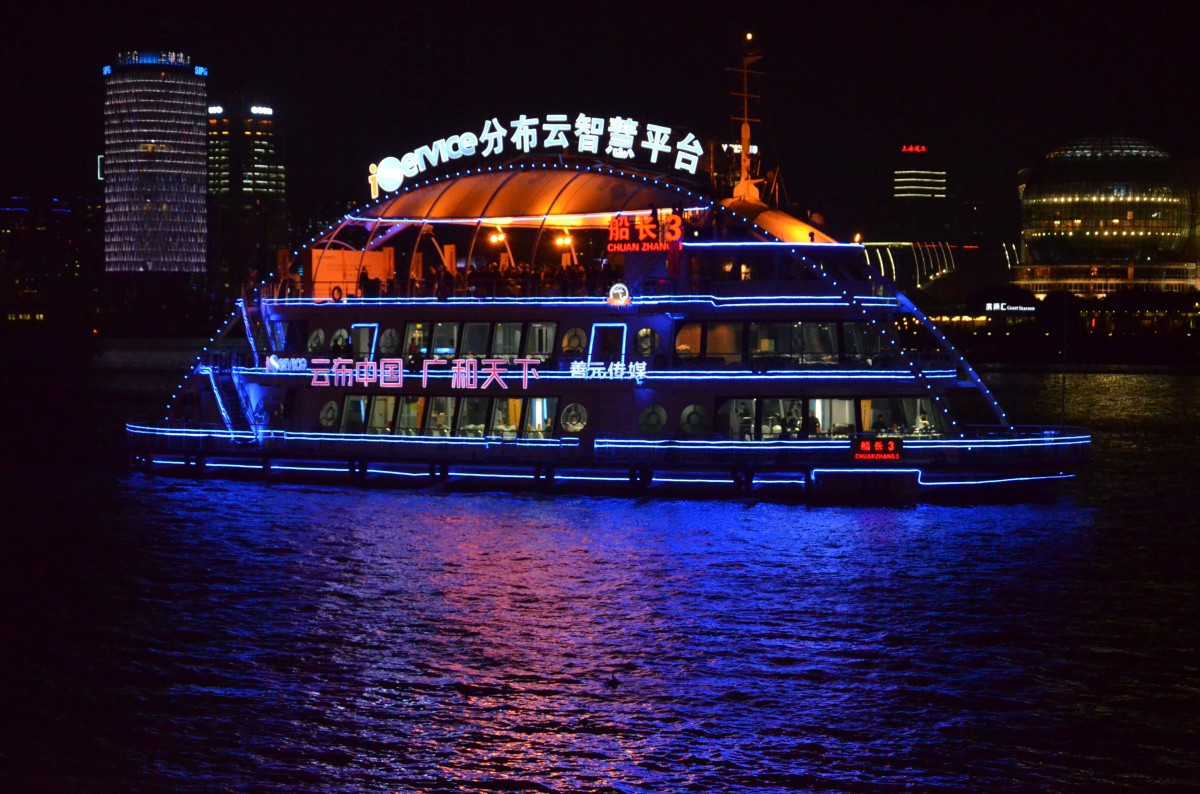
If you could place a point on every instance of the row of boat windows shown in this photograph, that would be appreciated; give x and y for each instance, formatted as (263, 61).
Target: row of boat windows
(740, 418)
(467, 417)
(723, 343)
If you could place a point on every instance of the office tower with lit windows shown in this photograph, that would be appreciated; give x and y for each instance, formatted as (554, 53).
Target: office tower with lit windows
(247, 188)
(155, 214)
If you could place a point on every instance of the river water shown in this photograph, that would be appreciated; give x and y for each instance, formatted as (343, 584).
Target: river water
(165, 634)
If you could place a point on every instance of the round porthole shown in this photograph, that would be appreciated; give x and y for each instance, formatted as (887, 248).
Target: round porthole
(573, 342)
(574, 418)
(647, 342)
(653, 419)
(340, 341)
(694, 419)
(316, 341)
(329, 414)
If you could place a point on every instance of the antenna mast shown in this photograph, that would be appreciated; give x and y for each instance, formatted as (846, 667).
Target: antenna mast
(746, 188)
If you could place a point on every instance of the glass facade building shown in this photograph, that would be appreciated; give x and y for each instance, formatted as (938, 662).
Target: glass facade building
(1102, 215)
(154, 164)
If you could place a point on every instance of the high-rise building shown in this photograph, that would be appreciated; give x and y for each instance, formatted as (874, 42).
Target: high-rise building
(247, 185)
(920, 208)
(154, 164)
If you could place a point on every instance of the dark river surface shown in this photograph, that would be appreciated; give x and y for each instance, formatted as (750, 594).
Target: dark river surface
(165, 634)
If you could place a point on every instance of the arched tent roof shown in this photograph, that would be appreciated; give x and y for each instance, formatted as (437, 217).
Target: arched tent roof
(565, 195)
(529, 194)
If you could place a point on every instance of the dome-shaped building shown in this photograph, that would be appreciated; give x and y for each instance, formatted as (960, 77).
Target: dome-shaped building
(1104, 214)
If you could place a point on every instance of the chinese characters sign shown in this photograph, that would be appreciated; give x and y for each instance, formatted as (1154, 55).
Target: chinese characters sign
(388, 373)
(868, 449)
(617, 370)
(638, 233)
(615, 136)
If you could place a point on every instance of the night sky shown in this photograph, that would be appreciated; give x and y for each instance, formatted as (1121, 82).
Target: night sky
(987, 87)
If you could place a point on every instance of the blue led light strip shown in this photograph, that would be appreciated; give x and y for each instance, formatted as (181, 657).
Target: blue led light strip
(733, 446)
(937, 483)
(284, 435)
(719, 376)
(665, 301)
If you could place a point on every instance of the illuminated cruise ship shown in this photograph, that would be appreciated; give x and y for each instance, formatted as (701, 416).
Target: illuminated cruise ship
(557, 302)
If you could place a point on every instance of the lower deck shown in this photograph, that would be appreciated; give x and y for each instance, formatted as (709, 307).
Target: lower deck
(862, 468)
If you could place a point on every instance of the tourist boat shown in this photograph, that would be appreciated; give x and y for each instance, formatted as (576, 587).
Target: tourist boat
(566, 320)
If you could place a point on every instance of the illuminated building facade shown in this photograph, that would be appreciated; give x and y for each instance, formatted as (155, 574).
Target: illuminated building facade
(247, 187)
(920, 210)
(154, 164)
(1103, 215)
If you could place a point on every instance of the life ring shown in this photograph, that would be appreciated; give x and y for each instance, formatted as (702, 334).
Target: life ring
(336, 293)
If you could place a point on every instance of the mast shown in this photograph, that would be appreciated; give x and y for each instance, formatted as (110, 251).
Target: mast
(747, 188)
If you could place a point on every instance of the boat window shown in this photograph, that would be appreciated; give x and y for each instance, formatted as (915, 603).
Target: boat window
(573, 342)
(441, 416)
(475, 339)
(363, 339)
(339, 343)
(539, 417)
(328, 416)
(389, 342)
(472, 416)
(831, 417)
(694, 420)
(794, 343)
(687, 340)
(574, 418)
(445, 339)
(540, 343)
(416, 341)
(382, 408)
(864, 343)
(818, 343)
(316, 341)
(354, 414)
(505, 415)
(782, 417)
(647, 342)
(652, 420)
(408, 420)
(735, 418)
(900, 416)
(724, 342)
(775, 340)
(507, 342)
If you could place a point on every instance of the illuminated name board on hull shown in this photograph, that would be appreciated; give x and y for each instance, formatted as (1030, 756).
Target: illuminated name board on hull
(618, 137)
(877, 449)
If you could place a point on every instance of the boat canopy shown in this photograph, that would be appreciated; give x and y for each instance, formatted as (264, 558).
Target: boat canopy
(563, 196)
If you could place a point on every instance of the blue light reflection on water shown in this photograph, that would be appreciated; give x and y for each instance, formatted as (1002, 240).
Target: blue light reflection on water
(208, 635)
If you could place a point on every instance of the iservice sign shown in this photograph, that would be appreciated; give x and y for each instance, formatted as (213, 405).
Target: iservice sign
(622, 139)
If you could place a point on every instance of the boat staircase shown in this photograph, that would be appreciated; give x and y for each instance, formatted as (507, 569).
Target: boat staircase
(257, 333)
(232, 401)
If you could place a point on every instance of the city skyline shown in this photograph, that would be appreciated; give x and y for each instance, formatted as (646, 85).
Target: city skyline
(991, 89)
